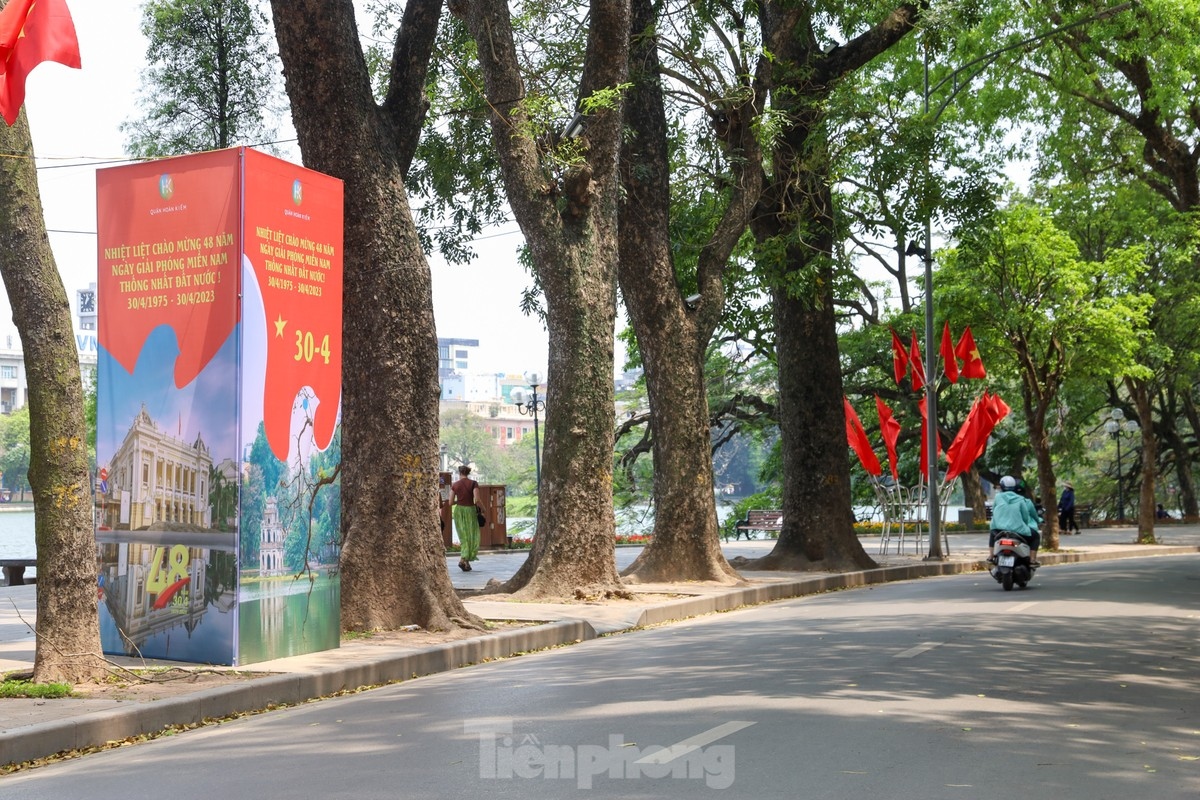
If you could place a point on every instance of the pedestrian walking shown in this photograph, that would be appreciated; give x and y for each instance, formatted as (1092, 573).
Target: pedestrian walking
(1066, 510)
(464, 496)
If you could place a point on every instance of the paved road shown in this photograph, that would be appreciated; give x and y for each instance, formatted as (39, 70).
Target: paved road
(1083, 687)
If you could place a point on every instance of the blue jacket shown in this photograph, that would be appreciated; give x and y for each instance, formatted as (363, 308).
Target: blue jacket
(1012, 512)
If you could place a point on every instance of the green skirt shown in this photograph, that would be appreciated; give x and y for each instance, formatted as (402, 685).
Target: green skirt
(467, 525)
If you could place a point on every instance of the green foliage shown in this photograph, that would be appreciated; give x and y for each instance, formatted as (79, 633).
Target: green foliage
(1021, 279)
(15, 448)
(89, 413)
(40, 691)
(466, 440)
(210, 79)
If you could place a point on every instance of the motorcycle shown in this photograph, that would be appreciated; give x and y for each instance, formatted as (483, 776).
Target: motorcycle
(1011, 562)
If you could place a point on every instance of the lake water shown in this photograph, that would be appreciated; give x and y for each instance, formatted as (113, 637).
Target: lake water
(16, 536)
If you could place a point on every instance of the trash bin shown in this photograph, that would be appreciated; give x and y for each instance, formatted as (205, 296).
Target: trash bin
(966, 518)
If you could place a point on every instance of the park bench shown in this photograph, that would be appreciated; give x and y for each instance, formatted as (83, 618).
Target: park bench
(14, 570)
(756, 520)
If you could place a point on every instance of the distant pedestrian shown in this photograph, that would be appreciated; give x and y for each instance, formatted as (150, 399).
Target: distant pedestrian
(1066, 510)
(1161, 513)
(464, 496)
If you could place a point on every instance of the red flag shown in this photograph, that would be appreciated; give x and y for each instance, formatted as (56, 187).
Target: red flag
(890, 429)
(949, 362)
(32, 31)
(917, 368)
(899, 357)
(997, 410)
(971, 441)
(966, 350)
(963, 450)
(859, 441)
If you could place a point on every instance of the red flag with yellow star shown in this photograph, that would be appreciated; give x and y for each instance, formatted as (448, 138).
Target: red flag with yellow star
(969, 353)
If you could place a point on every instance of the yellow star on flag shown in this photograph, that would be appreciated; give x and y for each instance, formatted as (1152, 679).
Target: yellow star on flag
(280, 324)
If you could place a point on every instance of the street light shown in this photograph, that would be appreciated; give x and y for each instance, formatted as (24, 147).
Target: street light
(1116, 426)
(529, 403)
(967, 72)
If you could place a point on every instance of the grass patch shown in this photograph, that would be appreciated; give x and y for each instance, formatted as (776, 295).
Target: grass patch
(44, 691)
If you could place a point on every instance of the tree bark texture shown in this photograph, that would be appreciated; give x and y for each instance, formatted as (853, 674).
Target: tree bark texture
(1139, 392)
(795, 221)
(974, 497)
(570, 226)
(393, 560)
(672, 336)
(68, 623)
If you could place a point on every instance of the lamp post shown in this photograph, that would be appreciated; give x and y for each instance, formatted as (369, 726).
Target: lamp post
(967, 72)
(529, 403)
(1116, 426)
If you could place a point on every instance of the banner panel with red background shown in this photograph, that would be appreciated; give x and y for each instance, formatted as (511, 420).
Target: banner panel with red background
(292, 366)
(206, 483)
(167, 294)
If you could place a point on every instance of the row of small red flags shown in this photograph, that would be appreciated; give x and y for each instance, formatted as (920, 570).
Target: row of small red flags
(30, 33)
(971, 440)
(965, 351)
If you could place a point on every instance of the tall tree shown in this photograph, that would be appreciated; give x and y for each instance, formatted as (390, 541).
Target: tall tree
(563, 188)
(210, 80)
(1121, 94)
(673, 333)
(68, 623)
(795, 229)
(393, 560)
(1053, 316)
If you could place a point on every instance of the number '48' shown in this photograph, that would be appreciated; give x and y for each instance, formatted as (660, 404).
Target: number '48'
(306, 347)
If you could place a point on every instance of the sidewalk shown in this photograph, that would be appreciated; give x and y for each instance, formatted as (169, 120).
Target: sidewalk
(32, 729)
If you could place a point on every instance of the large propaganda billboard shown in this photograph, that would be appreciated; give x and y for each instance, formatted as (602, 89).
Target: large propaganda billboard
(218, 396)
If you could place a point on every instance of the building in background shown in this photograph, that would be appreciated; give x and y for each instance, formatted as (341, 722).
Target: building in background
(14, 384)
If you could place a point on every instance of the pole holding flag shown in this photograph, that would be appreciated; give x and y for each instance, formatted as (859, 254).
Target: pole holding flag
(32, 31)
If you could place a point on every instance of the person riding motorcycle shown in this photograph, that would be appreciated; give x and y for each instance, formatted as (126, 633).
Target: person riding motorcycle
(1014, 513)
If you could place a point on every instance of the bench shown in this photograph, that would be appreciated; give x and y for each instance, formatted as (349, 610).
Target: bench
(14, 570)
(758, 520)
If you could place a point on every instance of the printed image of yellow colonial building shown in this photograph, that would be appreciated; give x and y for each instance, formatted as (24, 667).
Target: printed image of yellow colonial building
(158, 481)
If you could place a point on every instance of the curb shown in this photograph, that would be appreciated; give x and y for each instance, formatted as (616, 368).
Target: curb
(97, 728)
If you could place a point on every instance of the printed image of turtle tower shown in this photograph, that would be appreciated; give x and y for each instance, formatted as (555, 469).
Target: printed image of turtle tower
(218, 408)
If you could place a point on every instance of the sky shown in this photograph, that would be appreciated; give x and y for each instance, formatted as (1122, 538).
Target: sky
(75, 118)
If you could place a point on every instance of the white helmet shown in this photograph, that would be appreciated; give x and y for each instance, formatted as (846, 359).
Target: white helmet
(1008, 483)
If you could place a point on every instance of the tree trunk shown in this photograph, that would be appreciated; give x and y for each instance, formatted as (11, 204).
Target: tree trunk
(672, 336)
(570, 225)
(68, 623)
(973, 496)
(818, 529)
(1139, 392)
(1047, 485)
(1189, 505)
(795, 221)
(393, 559)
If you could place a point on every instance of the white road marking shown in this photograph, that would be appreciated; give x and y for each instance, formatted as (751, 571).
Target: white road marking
(1089, 583)
(693, 743)
(921, 648)
(1022, 607)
